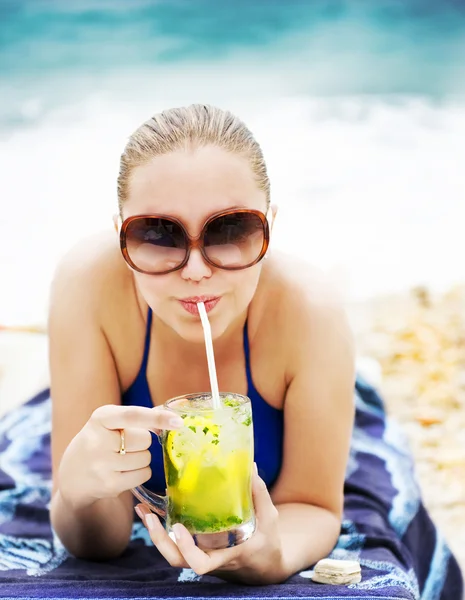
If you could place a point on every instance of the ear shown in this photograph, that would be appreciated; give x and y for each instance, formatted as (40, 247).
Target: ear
(115, 222)
(270, 217)
(274, 211)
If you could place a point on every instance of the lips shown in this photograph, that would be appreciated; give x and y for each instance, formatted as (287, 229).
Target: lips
(190, 304)
(197, 299)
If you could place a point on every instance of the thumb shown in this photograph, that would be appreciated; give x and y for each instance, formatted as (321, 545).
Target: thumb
(264, 507)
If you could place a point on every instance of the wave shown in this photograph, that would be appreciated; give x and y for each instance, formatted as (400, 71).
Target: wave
(55, 54)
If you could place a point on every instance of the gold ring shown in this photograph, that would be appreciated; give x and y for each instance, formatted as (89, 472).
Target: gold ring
(122, 447)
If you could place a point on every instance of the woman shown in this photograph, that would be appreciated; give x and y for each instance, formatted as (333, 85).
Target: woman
(125, 336)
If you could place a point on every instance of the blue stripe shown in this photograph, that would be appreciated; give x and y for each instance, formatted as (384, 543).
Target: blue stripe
(435, 581)
(209, 597)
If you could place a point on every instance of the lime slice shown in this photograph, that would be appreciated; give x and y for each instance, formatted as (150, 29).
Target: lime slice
(189, 476)
(173, 448)
(188, 452)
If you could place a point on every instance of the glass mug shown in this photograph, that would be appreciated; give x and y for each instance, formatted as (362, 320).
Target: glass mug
(208, 469)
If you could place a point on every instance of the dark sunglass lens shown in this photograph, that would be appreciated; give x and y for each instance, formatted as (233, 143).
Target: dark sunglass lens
(234, 240)
(155, 245)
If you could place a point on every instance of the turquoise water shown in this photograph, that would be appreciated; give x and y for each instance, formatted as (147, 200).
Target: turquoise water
(54, 51)
(359, 106)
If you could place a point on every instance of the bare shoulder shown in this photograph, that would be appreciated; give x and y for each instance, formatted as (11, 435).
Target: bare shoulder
(307, 310)
(300, 290)
(94, 312)
(91, 275)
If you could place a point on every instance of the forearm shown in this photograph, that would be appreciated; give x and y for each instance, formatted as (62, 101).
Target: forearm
(100, 531)
(307, 533)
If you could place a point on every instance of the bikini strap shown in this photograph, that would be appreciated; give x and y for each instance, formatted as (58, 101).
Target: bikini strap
(247, 357)
(148, 331)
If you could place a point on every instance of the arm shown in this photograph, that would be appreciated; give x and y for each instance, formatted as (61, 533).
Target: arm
(308, 533)
(318, 414)
(301, 520)
(83, 377)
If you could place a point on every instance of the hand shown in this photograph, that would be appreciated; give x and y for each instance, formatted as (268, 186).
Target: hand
(256, 561)
(92, 467)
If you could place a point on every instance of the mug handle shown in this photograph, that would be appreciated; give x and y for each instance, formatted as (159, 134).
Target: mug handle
(156, 503)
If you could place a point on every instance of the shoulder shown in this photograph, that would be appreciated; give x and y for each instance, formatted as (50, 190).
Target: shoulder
(92, 279)
(307, 312)
(299, 291)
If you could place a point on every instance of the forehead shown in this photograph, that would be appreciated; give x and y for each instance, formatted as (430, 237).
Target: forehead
(192, 184)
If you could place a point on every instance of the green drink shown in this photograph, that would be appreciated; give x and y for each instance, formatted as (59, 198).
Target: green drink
(208, 469)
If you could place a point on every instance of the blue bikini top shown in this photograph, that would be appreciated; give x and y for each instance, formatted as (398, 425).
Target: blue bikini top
(267, 422)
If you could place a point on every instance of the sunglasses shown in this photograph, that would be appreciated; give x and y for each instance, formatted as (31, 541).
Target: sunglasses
(232, 239)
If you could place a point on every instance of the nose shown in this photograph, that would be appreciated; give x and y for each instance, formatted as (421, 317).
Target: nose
(196, 268)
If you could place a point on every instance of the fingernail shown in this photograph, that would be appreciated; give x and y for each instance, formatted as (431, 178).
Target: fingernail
(175, 422)
(140, 514)
(255, 468)
(151, 521)
(177, 531)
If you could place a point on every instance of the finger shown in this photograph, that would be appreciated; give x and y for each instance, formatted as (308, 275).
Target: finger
(131, 479)
(131, 461)
(160, 538)
(198, 560)
(265, 510)
(112, 416)
(135, 440)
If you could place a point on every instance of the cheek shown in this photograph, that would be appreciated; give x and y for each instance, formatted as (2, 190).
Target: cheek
(153, 288)
(243, 286)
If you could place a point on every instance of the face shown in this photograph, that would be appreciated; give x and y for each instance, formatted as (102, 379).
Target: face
(191, 186)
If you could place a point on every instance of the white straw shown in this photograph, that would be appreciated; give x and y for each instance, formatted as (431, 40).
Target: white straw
(210, 356)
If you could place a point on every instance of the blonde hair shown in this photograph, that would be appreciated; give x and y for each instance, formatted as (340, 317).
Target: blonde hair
(192, 126)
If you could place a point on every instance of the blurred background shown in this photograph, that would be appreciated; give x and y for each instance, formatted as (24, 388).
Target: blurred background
(359, 106)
